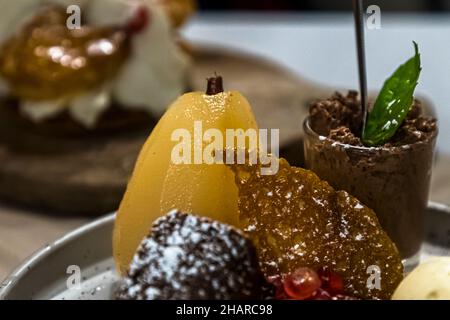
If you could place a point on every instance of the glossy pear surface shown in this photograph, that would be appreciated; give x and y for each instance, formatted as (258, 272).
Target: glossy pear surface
(159, 185)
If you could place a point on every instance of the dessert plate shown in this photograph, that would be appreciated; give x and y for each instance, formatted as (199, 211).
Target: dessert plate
(47, 273)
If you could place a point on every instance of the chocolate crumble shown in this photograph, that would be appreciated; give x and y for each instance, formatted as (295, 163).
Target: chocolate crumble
(340, 119)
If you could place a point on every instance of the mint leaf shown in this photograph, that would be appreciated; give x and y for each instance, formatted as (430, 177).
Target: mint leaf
(393, 102)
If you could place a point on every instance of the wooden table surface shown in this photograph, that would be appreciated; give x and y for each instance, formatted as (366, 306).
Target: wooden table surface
(22, 231)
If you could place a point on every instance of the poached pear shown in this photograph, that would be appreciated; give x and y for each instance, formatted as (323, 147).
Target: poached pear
(159, 185)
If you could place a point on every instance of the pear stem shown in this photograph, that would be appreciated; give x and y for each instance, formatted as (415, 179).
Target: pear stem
(215, 85)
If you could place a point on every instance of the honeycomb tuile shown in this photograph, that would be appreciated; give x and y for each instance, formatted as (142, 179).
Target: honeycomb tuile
(297, 220)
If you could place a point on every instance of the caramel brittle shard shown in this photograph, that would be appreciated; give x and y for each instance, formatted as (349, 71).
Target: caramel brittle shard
(297, 220)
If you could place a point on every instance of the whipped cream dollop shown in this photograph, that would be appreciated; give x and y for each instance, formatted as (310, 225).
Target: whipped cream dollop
(153, 75)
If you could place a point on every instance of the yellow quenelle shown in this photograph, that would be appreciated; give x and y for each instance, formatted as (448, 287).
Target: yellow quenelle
(159, 185)
(430, 280)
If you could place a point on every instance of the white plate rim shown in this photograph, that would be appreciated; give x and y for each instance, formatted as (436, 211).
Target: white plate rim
(9, 282)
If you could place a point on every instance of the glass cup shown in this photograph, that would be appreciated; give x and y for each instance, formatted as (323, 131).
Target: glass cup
(393, 181)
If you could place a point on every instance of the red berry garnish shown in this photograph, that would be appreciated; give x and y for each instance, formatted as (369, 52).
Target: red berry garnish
(139, 21)
(343, 297)
(321, 294)
(277, 282)
(331, 281)
(301, 284)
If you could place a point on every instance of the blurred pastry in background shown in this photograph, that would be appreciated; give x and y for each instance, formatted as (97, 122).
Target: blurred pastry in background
(121, 67)
(179, 10)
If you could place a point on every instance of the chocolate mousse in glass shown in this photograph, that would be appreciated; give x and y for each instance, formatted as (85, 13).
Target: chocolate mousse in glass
(393, 179)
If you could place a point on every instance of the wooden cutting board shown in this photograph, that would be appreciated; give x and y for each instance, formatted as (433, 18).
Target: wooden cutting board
(90, 177)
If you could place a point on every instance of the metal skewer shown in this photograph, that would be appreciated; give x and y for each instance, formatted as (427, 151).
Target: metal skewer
(360, 48)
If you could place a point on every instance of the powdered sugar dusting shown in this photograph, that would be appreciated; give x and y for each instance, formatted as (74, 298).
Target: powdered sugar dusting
(188, 257)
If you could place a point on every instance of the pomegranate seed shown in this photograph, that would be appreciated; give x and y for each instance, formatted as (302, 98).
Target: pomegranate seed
(277, 282)
(343, 297)
(321, 294)
(301, 284)
(331, 281)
